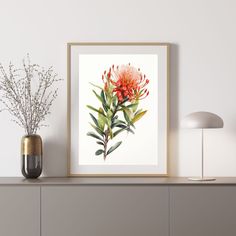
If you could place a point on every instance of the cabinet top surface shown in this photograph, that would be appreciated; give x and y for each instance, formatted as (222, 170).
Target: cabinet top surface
(113, 181)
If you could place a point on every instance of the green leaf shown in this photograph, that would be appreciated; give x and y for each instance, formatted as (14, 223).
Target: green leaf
(101, 120)
(108, 122)
(104, 102)
(98, 97)
(130, 130)
(96, 86)
(99, 152)
(116, 123)
(103, 97)
(138, 111)
(110, 132)
(100, 143)
(92, 134)
(94, 119)
(98, 130)
(127, 114)
(135, 106)
(121, 130)
(114, 147)
(118, 131)
(131, 124)
(121, 121)
(105, 107)
(114, 101)
(109, 99)
(121, 126)
(114, 118)
(94, 109)
(138, 116)
(109, 113)
(132, 105)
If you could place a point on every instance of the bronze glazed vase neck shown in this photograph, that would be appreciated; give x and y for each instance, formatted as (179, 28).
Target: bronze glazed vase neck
(31, 145)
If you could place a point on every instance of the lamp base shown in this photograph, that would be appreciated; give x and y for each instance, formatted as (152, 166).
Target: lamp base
(201, 179)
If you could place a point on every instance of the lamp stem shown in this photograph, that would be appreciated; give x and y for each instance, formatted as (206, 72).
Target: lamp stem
(202, 178)
(202, 175)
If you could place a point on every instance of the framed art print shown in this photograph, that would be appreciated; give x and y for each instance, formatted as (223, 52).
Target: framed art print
(117, 109)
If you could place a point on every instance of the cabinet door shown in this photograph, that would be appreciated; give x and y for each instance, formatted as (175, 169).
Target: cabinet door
(203, 210)
(104, 210)
(19, 211)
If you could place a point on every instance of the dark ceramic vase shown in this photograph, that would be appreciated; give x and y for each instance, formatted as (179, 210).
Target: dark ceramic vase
(31, 156)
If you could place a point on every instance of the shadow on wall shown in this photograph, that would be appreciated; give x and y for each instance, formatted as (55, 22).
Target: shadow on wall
(174, 110)
(54, 157)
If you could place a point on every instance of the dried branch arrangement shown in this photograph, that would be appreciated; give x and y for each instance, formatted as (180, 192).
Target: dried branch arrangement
(27, 94)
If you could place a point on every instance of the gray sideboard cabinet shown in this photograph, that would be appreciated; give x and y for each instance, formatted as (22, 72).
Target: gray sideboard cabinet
(104, 211)
(117, 206)
(19, 210)
(203, 210)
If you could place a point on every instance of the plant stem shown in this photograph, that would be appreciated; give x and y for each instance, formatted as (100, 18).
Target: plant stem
(106, 139)
(105, 144)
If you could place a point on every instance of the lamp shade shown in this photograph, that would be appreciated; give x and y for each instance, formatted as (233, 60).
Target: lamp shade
(202, 120)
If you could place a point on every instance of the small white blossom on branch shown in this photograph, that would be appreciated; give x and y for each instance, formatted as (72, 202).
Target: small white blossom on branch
(27, 94)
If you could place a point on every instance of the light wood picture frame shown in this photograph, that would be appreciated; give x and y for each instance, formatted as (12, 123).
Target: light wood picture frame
(131, 140)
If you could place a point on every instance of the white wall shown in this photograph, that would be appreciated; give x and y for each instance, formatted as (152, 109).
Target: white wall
(203, 68)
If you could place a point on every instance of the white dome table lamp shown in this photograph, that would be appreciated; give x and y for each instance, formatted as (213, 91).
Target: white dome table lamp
(202, 120)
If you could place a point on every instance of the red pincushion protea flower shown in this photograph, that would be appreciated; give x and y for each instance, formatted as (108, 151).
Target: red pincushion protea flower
(128, 82)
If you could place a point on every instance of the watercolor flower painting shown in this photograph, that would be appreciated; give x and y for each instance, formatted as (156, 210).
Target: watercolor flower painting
(122, 89)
